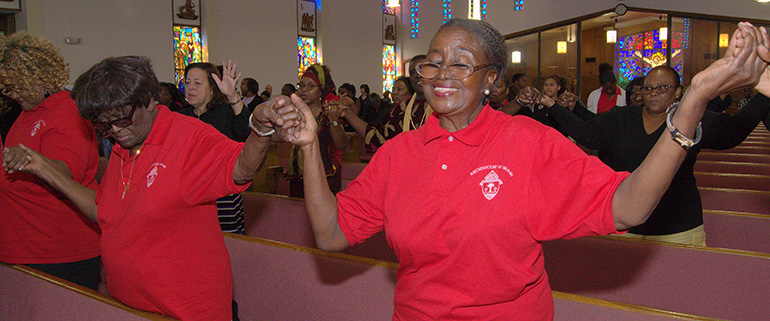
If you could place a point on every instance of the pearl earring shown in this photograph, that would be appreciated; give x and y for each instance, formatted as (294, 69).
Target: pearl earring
(486, 92)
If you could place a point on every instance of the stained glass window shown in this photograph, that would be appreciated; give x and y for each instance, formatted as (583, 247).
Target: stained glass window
(388, 67)
(477, 9)
(447, 10)
(414, 18)
(638, 53)
(518, 5)
(386, 9)
(187, 49)
(306, 53)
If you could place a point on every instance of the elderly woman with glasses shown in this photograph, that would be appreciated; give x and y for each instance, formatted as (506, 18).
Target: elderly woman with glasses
(39, 227)
(467, 199)
(162, 249)
(630, 133)
(316, 88)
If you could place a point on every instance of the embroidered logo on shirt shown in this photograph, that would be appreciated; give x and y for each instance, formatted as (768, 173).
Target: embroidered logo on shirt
(154, 168)
(491, 185)
(38, 124)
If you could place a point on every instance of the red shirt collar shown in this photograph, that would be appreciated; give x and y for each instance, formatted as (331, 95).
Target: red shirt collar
(471, 135)
(54, 100)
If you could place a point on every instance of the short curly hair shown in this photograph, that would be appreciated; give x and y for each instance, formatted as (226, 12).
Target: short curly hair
(490, 40)
(28, 61)
(114, 83)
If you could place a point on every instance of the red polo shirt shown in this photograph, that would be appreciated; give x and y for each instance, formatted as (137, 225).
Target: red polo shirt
(39, 225)
(466, 213)
(162, 246)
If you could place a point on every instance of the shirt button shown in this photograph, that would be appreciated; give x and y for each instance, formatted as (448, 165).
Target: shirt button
(443, 166)
(451, 138)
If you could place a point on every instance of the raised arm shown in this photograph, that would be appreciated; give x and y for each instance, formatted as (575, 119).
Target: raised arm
(639, 193)
(320, 202)
(339, 137)
(50, 171)
(351, 116)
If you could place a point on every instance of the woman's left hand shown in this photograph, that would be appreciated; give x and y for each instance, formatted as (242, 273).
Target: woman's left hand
(229, 80)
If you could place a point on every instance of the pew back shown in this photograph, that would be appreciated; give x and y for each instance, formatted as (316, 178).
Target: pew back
(278, 281)
(27, 294)
(732, 285)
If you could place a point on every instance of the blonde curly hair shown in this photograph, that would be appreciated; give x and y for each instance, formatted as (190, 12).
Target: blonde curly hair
(27, 61)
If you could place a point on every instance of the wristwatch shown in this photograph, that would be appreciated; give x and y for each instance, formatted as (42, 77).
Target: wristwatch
(676, 135)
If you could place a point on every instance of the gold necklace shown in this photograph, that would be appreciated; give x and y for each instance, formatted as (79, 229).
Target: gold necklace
(127, 185)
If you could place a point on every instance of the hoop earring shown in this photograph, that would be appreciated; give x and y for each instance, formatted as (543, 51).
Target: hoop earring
(486, 92)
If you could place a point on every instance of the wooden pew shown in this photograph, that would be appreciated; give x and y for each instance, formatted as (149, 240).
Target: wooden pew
(28, 294)
(741, 231)
(734, 157)
(751, 182)
(732, 167)
(726, 284)
(747, 149)
(293, 227)
(278, 281)
(284, 219)
(351, 170)
(735, 200)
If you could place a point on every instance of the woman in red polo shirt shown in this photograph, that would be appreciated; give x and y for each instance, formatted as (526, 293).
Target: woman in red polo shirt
(163, 250)
(467, 199)
(38, 226)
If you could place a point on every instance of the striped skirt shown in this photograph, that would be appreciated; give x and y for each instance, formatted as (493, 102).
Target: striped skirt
(230, 212)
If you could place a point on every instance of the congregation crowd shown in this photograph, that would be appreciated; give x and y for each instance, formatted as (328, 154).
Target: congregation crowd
(127, 174)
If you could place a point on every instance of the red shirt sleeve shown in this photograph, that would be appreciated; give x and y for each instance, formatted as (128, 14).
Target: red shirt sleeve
(70, 138)
(361, 205)
(211, 159)
(571, 193)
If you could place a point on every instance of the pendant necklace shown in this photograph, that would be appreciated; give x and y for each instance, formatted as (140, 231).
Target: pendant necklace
(127, 184)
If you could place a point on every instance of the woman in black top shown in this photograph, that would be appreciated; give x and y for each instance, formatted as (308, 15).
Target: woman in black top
(216, 102)
(630, 133)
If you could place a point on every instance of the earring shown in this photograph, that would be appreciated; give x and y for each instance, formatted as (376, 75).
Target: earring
(486, 92)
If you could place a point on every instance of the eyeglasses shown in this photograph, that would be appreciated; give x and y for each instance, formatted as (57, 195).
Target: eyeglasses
(662, 89)
(308, 86)
(123, 122)
(430, 70)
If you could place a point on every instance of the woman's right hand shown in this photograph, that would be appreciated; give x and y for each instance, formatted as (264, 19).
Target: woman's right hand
(344, 104)
(302, 132)
(24, 159)
(742, 65)
(568, 99)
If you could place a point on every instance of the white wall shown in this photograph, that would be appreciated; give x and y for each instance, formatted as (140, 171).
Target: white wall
(351, 36)
(261, 35)
(537, 13)
(108, 28)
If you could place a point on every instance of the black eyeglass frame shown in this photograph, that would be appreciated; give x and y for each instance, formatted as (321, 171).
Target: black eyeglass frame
(662, 89)
(473, 69)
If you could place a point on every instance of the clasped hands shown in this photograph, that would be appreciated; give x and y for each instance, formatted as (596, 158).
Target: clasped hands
(291, 118)
(744, 64)
(530, 95)
(15, 158)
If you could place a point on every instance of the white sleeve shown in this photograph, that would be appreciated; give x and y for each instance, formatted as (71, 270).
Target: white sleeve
(593, 101)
